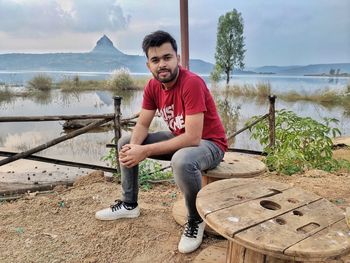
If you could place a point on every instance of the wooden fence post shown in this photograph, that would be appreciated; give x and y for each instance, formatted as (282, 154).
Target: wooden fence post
(117, 127)
(272, 124)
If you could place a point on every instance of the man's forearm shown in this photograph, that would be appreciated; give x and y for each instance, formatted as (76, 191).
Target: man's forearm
(139, 134)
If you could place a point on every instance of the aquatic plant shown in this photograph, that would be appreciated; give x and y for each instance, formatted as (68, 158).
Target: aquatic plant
(40, 82)
(120, 80)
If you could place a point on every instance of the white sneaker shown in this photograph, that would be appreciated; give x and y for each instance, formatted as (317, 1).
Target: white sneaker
(192, 236)
(116, 211)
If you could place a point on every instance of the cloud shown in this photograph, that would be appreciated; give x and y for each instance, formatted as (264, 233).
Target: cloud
(45, 18)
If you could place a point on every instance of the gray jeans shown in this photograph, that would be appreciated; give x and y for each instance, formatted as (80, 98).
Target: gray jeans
(187, 164)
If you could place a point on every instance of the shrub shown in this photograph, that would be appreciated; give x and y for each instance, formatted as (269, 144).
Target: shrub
(40, 82)
(120, 80)
(301, 143)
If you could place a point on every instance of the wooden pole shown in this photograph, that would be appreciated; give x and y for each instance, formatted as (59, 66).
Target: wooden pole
(53, 142)
(184, 34)
(272, 124)
(117, 129)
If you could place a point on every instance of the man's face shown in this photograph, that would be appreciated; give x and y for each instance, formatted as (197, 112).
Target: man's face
(163, 62)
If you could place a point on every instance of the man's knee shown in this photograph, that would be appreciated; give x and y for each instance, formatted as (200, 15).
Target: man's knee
(181, 163)
(123, 140)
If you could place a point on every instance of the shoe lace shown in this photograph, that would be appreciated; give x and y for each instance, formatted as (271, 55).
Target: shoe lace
(191, 228)
(118, 205)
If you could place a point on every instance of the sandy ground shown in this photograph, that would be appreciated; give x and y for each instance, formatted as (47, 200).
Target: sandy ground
(59, 226)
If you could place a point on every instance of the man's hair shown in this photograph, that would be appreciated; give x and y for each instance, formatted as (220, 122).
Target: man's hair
(156, 39)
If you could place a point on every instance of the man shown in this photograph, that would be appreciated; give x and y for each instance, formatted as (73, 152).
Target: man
(196, 140)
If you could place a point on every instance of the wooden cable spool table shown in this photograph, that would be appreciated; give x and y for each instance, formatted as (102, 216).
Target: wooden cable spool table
(233, 165)
(267, 221)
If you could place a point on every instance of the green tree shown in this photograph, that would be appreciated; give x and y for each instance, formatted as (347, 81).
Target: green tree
(230, 43)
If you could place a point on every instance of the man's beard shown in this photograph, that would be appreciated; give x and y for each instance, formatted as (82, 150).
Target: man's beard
(172, 76)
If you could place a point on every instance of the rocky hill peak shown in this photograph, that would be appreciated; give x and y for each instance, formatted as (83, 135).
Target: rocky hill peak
(105, 46)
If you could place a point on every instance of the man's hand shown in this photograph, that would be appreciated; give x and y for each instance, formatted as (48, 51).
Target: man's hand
(131, 154)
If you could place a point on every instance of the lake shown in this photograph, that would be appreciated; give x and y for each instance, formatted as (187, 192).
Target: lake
(90, 147)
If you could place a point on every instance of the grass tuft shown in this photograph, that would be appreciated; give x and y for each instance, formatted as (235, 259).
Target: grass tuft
(41, 82)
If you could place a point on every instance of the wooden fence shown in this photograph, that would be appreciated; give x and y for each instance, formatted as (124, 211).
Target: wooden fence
(98, 121)
(117, 123)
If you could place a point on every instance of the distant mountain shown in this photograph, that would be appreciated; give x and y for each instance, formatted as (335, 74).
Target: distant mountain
(106, 57)
(105, 46)
(103, 57)
(304, 70)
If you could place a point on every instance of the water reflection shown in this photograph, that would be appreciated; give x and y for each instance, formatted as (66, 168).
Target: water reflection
(229, 114)
(90, 147)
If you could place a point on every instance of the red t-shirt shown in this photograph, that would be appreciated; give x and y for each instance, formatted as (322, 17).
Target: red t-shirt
(189, 96)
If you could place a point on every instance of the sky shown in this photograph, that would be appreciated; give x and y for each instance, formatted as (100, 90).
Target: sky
(276, 32)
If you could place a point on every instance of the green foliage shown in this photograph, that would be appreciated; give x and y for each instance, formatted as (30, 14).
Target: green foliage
(230, 43)
(301, 143)
(41, 82)
(120, 80)
(148, 170)
(215, 75)
(111, 159)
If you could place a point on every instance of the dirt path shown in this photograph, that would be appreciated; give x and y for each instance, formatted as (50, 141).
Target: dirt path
(59, 226)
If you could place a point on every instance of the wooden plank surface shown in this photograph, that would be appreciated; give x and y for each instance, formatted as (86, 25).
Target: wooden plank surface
(332, 241)
(278, 221)
(237, 165)
(280, 233)
(236, 218)
(226, 193)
